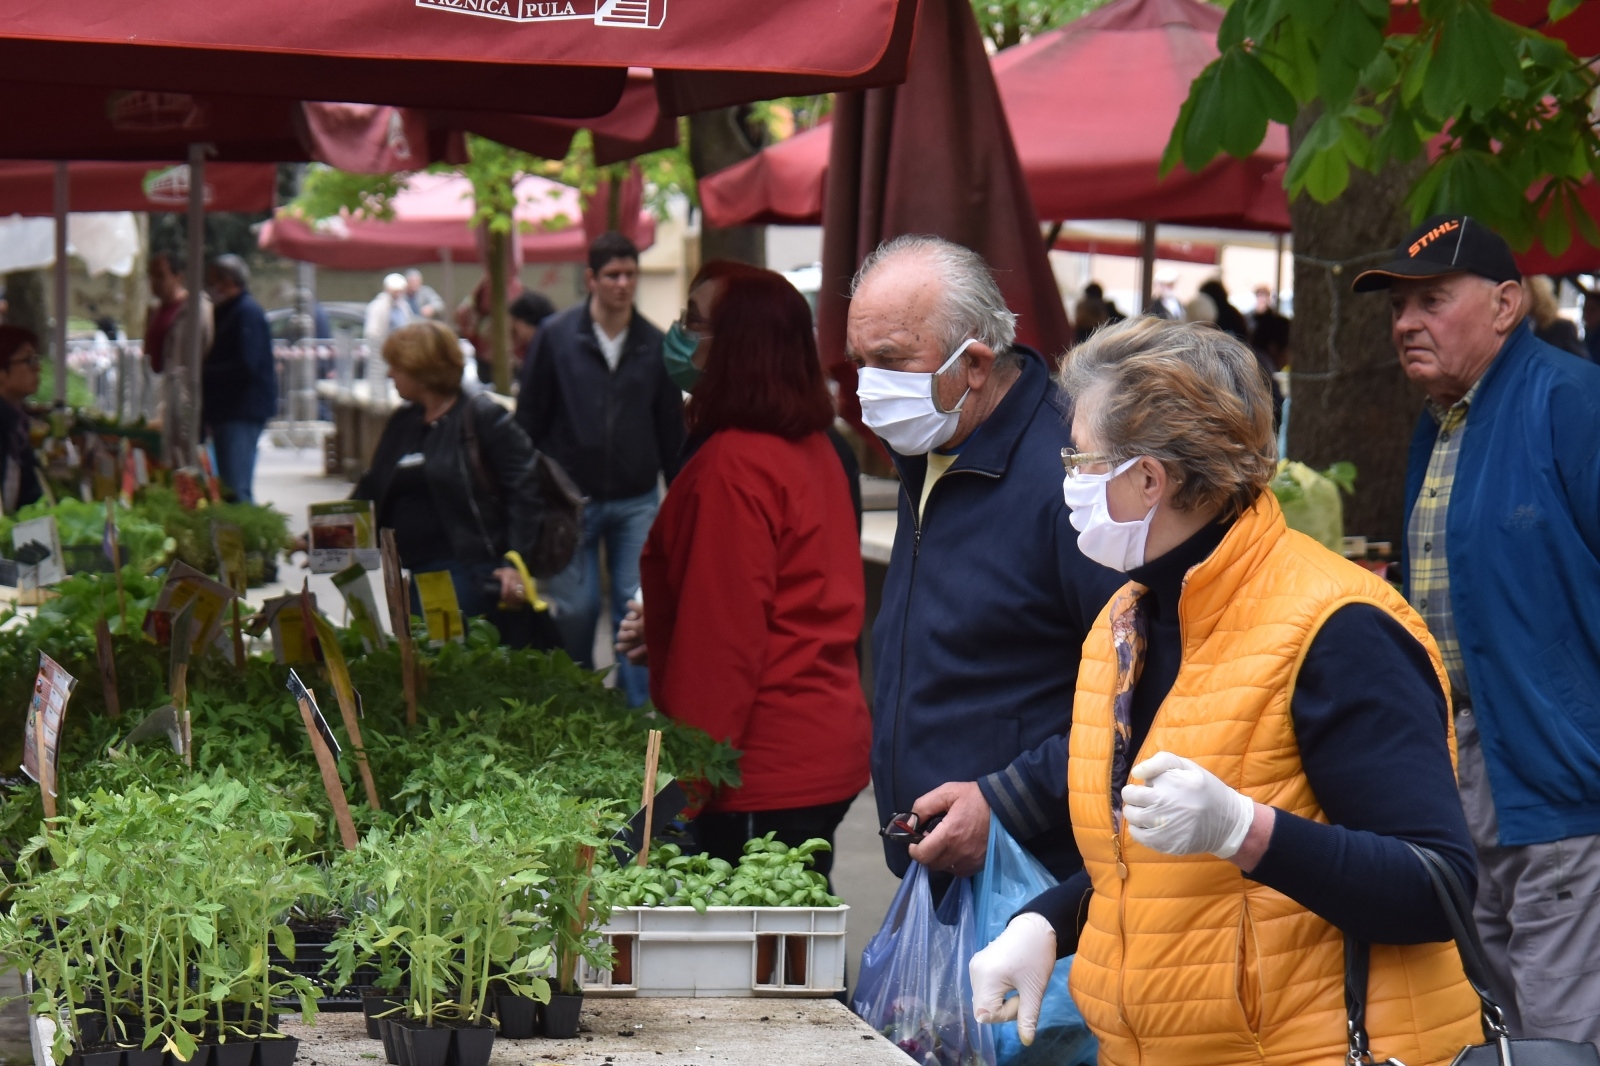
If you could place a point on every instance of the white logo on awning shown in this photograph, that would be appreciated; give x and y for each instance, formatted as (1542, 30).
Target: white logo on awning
(636, 14)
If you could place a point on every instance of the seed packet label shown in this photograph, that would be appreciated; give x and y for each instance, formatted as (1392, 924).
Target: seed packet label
(301, 692)
(289, 644)
(51, 689)
(141, 467)
(440, 609)
(359, 599)
(184, 585)
(228, 540)
(37, 547)
(342, 533)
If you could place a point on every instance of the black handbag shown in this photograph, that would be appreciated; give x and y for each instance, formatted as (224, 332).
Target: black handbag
(1498, 1049)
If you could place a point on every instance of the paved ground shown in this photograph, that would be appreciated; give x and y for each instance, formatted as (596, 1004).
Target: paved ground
(656, 1032)
(291, 481)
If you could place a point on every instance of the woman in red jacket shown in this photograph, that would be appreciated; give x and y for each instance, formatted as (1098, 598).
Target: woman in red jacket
(752, 578)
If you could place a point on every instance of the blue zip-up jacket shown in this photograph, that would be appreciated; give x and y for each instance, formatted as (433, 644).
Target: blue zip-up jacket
(985, 608)
(1522, 538)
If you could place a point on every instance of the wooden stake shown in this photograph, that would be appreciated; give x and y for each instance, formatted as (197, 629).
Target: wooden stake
(344, 692)
(569, 965)
(108, 668)
(330, 778)
(180, 698)
(46, 771)
(397, 590)
(238, 638)
(116, 565)
(652, 762)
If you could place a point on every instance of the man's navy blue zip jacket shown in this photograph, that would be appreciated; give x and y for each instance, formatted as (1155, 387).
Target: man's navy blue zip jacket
(985, 608)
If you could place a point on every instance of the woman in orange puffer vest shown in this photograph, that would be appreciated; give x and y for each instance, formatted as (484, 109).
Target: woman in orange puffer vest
(1260, 729)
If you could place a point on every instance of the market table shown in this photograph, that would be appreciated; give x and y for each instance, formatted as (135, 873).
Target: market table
(657, 1032)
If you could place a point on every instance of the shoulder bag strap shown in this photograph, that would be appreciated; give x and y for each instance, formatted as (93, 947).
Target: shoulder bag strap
(469, 433)
(1457, 906)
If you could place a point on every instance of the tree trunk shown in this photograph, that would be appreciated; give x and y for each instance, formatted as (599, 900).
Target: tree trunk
(26, 303)
(499, 251)
(1349, 399)
(717, 140)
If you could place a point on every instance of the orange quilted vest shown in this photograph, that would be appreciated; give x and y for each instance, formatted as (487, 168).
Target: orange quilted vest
(1183, 960)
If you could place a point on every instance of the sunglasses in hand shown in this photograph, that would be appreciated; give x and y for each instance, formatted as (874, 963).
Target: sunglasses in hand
(910, 827)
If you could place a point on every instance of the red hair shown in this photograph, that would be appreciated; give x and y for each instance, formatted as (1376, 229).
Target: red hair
(762, 372)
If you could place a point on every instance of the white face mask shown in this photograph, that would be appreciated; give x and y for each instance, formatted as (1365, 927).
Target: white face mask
(1119, 545)
(899, 407)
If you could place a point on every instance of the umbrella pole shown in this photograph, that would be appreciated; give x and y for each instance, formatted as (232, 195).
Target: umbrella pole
(449, 283)
(194, 348)
(1277, 281)
(1147, 266)
(58, 338)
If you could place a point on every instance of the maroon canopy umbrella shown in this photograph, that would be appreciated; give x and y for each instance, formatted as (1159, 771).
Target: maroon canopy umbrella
(28, 188)
(89, 122)
(560, 57)
(933, 156)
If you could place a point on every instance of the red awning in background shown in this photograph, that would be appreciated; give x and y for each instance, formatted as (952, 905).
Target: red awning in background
(1581, 29)
(28, 187)
(1172, 251)
(1090, 107)
(780, 185)
(567, 58)
(432, 221)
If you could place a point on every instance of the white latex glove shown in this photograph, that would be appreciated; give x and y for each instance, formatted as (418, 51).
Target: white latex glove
(1184, 809)
(1021, 959)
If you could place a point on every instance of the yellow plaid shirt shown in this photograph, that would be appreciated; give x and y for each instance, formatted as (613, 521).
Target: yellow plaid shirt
(1429, 569)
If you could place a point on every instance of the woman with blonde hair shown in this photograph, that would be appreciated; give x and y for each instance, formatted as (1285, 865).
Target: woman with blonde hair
(1261, 732)
(1545, 310)
(452, 476)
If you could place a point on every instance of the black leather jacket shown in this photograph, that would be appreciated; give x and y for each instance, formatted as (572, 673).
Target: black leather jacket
(613, 431)
(487, 508)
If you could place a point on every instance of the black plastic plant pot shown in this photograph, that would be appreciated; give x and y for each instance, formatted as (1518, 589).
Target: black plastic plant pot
(427, 1045)
(386, 1033)
(471, 1045)
(276, 1050)
(201, 1057)
(101, 1055)
(519, 1016)
(402, 1050)
(135, 1056)
(561, 1016)
(236, 1052)
(375, 1003)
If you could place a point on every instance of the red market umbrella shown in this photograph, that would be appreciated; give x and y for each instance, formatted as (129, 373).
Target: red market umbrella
(1099, 157)
(433, 224)
(89, 122)
(933, 156)
(571, 56)
(28, 188)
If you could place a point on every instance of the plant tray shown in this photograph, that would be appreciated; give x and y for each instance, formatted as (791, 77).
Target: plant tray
(727, 951)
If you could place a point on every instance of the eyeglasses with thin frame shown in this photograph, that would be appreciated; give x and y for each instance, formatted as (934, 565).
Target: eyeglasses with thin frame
(1074, 462)
(32, 362)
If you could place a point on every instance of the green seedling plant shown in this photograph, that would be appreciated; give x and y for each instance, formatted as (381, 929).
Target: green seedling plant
(769, 874)
(772, 874)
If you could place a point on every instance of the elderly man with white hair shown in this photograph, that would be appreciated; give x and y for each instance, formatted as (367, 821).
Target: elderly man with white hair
(987, 598)
(388, 311)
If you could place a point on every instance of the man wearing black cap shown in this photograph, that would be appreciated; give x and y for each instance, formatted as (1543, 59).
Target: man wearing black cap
(1503, 561)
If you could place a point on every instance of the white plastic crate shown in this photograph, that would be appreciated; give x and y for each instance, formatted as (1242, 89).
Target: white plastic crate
(727, 951)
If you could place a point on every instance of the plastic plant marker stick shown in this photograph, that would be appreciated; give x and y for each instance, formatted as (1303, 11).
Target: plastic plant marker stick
(344, 691)
(330, 772)
(238, 639)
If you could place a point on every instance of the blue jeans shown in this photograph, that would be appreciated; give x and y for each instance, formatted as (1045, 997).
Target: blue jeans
(623, 526)
(235, 443)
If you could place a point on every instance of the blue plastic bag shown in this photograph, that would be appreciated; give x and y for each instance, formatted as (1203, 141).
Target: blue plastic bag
(1009, 879)
(914, 987)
